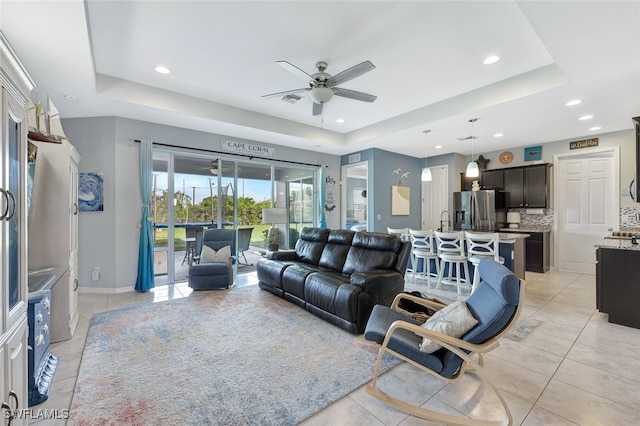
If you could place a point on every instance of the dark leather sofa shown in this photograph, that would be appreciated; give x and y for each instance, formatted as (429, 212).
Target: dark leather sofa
(338, 275)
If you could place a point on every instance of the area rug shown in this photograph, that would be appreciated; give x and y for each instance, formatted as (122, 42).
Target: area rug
(521, 329)
(242, 357)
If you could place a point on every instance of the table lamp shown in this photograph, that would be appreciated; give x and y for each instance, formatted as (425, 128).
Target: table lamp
(513, 218)
(273, 216)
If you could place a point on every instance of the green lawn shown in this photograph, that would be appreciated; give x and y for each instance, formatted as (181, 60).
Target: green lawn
(258, 237)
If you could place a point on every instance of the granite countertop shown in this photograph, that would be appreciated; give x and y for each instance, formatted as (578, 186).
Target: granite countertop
(619, 245)
(528, 228)
(511, 237)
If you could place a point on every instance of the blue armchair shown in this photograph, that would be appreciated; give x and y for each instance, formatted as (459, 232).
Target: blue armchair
(206, 275)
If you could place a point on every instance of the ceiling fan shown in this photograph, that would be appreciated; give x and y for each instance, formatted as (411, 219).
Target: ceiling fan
(322, 86)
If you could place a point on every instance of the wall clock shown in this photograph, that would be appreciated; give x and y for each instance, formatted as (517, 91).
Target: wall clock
(506, 157)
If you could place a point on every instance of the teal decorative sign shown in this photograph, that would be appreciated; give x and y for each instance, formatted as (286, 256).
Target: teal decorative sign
(533, 153)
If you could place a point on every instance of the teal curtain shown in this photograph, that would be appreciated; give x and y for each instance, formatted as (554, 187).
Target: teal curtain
(144, 282)
(321, 198)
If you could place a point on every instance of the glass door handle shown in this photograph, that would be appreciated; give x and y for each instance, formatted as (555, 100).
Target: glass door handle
(6, 204)
(75, 209)
(13, 205)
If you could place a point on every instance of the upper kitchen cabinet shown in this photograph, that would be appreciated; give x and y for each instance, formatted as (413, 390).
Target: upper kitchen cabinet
(488, 179)
(527, 187)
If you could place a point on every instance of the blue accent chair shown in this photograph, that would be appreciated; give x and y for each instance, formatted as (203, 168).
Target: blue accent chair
(207, 276)
(496, 304)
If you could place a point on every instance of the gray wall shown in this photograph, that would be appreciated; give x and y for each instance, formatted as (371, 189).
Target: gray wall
(109, 239)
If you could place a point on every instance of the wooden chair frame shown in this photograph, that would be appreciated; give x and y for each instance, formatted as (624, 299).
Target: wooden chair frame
(472, 361)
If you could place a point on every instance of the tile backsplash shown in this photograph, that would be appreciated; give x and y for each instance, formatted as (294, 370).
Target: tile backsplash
(629, 218)
(544, 219)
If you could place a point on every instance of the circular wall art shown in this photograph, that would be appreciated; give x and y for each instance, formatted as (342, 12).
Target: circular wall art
(506, 157)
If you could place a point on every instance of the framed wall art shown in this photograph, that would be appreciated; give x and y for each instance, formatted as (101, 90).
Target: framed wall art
(400, 200)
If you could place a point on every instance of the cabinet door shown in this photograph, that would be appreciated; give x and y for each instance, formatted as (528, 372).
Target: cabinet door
(493, 179)
(14, 353)
(465, 182)
(513, 185)
(14, 157)
(73, 246)
(535, 186)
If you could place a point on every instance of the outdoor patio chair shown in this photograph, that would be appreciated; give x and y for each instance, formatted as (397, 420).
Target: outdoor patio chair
(244, 240)
(495, 305)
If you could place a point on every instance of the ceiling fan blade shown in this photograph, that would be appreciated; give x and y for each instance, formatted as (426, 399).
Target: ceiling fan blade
(294, 70)
(317, 109)
(352, 72)
(352, 94)
(286, 92)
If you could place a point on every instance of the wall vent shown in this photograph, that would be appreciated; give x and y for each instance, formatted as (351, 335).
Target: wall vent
(354, 158)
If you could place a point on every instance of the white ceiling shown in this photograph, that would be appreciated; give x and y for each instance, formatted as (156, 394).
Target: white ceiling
(428, 56)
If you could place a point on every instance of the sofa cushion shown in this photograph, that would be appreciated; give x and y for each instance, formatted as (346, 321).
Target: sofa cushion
(371, 251)
(294, 277)
(310, 245)
(335, 252)
(331, 292)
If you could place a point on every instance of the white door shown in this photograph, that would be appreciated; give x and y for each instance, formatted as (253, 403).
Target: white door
(435, 197)
(586, 207)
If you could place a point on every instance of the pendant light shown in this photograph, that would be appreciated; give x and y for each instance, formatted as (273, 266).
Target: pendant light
(472, 167)
(426, 172)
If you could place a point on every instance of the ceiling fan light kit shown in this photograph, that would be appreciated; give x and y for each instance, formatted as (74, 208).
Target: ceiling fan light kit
(322, 86)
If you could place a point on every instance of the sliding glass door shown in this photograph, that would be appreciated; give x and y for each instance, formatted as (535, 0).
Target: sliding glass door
(213, 192)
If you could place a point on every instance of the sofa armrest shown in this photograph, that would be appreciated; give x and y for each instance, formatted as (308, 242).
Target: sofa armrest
(282, 255)
(372, 280)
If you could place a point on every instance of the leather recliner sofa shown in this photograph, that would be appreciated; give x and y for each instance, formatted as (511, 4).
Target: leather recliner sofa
(338, 275)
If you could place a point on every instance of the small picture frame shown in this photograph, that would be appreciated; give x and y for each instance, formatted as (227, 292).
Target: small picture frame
(533, 153)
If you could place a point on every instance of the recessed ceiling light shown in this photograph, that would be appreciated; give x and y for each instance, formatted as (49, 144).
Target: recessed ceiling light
(491, 59)
(438, 147)
(340, 120)
(162, 69)
(595, 128)
(498, 135)
(586, 117)
(574, 102)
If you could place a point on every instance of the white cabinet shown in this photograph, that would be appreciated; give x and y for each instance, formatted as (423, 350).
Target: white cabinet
(16, 86)
(53, 230)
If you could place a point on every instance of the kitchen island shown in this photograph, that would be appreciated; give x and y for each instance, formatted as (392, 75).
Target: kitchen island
(514, 251)
(617, 289)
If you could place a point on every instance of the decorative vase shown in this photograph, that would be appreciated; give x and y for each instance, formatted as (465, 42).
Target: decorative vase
(475, 186)
(273, 238)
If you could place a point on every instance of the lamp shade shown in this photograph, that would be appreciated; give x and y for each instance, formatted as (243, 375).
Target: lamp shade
(274, 215)
(472, 169)
(426, 174)
(513, 219)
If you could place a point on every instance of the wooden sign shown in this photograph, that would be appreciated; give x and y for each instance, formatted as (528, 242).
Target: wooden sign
(586, 143)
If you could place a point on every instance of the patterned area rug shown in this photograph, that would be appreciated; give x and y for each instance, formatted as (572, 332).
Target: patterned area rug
(220, 357)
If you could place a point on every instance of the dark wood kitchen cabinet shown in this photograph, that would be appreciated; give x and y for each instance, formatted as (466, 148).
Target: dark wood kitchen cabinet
(493, 179)
(617, 289)
(537, 250)
(527, 187)
(488, 179)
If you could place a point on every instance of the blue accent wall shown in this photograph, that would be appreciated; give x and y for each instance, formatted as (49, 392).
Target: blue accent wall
(382, 165)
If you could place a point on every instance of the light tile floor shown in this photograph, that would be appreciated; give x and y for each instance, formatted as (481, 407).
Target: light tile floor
(573, 368)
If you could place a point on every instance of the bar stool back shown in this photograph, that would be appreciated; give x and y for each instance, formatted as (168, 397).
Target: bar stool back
(424, 247)
(451, 253)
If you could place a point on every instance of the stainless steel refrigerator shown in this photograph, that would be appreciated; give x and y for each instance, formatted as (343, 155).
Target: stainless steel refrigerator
(479, 210)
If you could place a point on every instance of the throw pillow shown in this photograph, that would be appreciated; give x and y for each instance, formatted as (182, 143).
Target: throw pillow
(453, 320)
(210, 255)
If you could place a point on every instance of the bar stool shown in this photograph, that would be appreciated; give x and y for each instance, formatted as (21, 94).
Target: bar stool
(482, 246)
(451, 253)
(423, 247)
